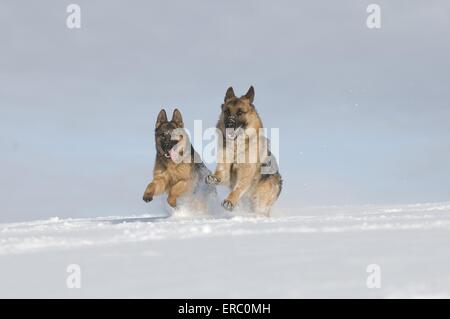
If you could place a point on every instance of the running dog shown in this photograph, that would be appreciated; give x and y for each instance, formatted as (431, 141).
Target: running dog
(178, 169)
(250, 180)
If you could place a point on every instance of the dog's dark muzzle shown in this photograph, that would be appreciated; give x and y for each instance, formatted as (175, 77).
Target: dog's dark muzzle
(167, 146)
(231, 123)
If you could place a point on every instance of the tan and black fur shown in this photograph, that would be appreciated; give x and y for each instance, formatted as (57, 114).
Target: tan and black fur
(245, 179)
(177, 178)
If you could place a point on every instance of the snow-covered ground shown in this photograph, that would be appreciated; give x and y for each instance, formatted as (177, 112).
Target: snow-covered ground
(314, 252)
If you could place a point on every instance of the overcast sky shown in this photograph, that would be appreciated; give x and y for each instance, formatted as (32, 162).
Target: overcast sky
(363, 113)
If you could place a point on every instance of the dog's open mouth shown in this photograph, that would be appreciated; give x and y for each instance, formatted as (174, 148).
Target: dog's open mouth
(174, 155)
(232, 133)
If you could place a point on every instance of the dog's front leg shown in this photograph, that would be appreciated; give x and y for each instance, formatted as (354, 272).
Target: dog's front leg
(245, 177)
(155, 188)
(175, 191)
(222, 172)
(220, 176)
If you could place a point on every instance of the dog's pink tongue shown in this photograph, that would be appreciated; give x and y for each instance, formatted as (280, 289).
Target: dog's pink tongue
(173, 155)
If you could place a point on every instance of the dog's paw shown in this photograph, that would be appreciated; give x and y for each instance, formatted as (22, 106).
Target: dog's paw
(172, 201)
(148, 197)
(212, 180)
(228, 205)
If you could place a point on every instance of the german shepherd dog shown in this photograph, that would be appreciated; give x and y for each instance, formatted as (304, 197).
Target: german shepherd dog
(249, 180)
(178, 169)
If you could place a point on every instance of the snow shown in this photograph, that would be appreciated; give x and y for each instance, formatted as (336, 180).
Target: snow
(310, 252)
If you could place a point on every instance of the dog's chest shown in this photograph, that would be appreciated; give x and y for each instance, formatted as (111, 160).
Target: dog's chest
(178, 172)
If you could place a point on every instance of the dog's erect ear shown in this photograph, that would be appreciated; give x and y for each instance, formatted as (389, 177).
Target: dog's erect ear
(177, 118)
(230, 94)
(162, 118)
(250, 95)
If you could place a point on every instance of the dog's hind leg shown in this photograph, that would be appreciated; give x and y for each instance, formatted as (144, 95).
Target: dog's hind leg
(265, 195)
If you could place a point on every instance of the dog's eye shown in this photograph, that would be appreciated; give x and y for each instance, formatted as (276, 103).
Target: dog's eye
(239, 113)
